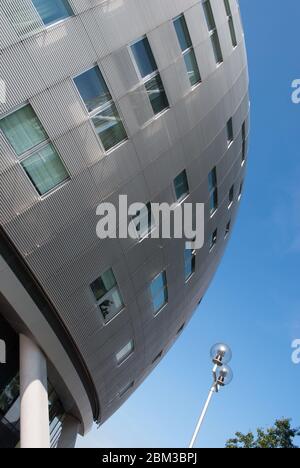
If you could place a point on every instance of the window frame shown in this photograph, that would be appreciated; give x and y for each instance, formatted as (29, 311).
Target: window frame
(244, 138)
(123, 391)
(231, 25)
(146, 79)
(230, 132)
(34, 150)
(213, 192)
(188, 50)
(152, 224)
(231, 196)
(157, 357)
(214, 240)
(128, 355)
(55, 22)
(227, 229)
(241, 190)
(185, 195)
(192, 258)
(165, 290)
(213, 32)
(97, 302)
(97, 111)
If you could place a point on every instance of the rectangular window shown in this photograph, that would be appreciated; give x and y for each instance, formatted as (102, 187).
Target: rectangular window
(126, 389)
(149, 75)
(159, 292)
(45, 169)
(23, 130)
(227, 230)
(125, 352)
(241, 190)
(180, 329)
(229, 132)
(214, 239)
(144, 222)
(52, 11)
(189, 263)
(230, 23)
(32, 146)
(101, 108)
(107, 295)
(213, 191)
(213, 31)
(181, 186)
(187, 49)
(231, 196)
(157, 358)
(243, 143)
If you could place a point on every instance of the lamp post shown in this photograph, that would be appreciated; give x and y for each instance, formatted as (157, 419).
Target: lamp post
(222, 375)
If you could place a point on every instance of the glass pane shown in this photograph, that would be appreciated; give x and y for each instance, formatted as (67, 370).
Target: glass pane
(103, 284)
(125, 352)
(52, 11)
(241, 189)
(212, 179)
(209, 16)
(111, 304)
(181, 185)
(192, 67)
(109, 280)
(232, 32)
(182, 33)
(23, 130)
(45, 169)
(188, 263)
(158, 284)
(213, 201)
(157, 95)
(217, 47)
(159, 301)
(214, 239)
(229, 131)
(227, 7)
(109, 127)
(144, 57)
(93, 89)
(143, 221)
(227, 228)
(9, 394)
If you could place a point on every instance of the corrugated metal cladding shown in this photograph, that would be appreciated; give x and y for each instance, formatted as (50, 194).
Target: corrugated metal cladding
(56, 234)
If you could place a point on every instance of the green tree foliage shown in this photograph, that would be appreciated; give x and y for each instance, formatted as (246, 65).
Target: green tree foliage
(280, 436)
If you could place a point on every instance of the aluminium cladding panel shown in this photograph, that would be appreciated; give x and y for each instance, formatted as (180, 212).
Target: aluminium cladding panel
(19, 19)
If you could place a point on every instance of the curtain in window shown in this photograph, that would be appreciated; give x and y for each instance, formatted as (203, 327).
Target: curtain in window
(45, 169)
(23, 130)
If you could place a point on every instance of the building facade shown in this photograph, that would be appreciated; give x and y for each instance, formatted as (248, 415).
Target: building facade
(147, 98)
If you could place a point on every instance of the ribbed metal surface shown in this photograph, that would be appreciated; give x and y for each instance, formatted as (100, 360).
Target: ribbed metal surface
(23, 16)
(56, 234)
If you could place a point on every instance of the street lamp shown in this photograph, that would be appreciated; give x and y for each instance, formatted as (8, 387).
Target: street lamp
(222, 375)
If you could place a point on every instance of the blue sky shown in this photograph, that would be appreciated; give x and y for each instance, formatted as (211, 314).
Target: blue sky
(254, 301)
